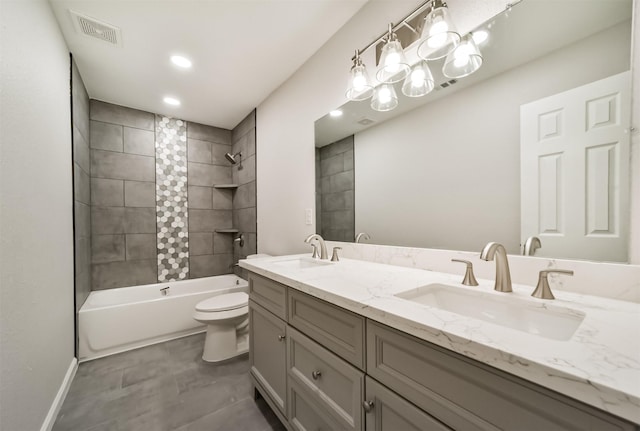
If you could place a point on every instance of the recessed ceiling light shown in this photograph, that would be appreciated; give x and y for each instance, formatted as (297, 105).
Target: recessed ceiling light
(336, 113)
(171, 101)
(480, 36)
(181, 61)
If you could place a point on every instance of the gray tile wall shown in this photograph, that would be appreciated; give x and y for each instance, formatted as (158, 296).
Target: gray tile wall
(337, 186)
(81, 186)
(210, 253)
(243, 138)
(123, 196)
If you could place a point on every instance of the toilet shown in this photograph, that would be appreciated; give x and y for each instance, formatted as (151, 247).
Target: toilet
(227, 320)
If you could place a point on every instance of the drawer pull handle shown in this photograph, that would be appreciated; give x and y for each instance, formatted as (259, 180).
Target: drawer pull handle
(368, 406)
(316, 375)
(281, 337)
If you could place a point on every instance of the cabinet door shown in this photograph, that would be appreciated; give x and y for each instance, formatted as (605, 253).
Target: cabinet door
(268, 350)
(386, 411)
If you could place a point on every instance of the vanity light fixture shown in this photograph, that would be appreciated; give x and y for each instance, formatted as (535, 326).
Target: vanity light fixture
(419, 82)
(439, 36)
(360, 87)
(181, 61)
(171, 101)
(464, 60)
(393, 65)
(384, 98)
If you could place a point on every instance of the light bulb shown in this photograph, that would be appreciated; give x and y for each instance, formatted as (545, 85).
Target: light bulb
(392, 62)
(480, 36)
(438, 33)
(462, 55)
(359, 82)
(384, 95)
(417, 77)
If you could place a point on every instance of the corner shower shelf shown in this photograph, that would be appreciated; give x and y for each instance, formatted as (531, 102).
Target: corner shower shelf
(226, 186)
(226, 231)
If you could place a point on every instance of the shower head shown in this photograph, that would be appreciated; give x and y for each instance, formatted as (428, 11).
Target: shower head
(232, 157)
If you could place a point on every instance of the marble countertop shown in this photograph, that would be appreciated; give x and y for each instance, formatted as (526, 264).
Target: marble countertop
(599, 365)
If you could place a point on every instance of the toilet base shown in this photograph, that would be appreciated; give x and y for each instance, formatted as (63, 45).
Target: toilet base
(224, 342)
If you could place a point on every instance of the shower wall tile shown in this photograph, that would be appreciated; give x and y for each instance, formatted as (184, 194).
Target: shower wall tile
(200, 243)
(106, 192)
(245, 196)
(138, 141)
(139, 194)
(200, 198)
(82, 186)
(139, 220)
(105, 136)
(140, 246)
(248, 124)
(107, 220)
(332, 165)
(245, 219)
(120, 166)
(125, 273)
(199, 151)
(107, 248)
(245, 171)
(81, 152)
(222, 199)
(209, 220)
(208, 265)
(171, 199)
(217, 154)
(110, 113)
(201, 174)
(222, 243)
(208, 133)
(83, 219)
(80, 103)
(246, 144)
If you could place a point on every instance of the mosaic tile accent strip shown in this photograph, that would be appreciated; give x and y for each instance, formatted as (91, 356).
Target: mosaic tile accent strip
(172, 215)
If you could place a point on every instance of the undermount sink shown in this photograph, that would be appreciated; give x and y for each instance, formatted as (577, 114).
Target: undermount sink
(549, 321)
(303, 262)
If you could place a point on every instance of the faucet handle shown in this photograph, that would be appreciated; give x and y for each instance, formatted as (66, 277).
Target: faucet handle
(469, 278)
(543, 291)
(334, 255)
(315, 251)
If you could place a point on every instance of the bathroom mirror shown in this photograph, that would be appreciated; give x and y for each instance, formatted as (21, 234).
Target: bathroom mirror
(447, 171)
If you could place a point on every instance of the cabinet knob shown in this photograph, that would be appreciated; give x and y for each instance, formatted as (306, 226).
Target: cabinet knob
(281, 337)
(316, 374)
(367, 405)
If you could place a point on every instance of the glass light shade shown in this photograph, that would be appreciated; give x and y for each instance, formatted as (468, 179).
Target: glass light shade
(384, 98)
(439, 36)
(393, 65)
(464, 60)
(360, 87)
(419, 82)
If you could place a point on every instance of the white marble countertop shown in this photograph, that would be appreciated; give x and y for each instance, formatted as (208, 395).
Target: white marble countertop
(599, 365)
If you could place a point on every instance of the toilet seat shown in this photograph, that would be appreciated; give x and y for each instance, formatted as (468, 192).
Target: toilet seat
(227, 301)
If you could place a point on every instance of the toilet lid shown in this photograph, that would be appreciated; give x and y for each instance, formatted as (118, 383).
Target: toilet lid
(227, 301)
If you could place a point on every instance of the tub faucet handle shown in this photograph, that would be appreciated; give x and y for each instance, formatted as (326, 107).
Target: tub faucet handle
(165, 291)
(334, 255)
(469, 278)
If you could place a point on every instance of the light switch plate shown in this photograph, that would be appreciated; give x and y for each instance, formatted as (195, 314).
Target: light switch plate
(308, 216)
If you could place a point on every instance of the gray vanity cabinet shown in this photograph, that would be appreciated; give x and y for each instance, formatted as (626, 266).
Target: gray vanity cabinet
(386, 411)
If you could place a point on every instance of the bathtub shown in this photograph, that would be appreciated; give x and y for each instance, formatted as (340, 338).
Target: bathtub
(115, 320)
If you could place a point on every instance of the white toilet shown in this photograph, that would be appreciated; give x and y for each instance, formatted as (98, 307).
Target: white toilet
(227, 320)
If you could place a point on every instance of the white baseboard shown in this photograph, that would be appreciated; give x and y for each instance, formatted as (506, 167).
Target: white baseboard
(47, 425)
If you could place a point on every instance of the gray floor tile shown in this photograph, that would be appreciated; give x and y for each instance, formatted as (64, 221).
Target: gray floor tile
(162, 387)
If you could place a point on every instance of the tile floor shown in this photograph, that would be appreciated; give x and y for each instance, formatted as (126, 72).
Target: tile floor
(164, 387)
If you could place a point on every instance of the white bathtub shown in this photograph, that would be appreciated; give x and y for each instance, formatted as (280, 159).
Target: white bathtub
(115, 320)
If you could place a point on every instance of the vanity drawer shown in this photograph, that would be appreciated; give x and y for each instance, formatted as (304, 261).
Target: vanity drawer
(334, 383)
(270, 294)
(337, 329)
(465, 394)
(306, 413)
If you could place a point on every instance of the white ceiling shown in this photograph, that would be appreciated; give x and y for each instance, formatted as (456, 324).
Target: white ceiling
(242, 50)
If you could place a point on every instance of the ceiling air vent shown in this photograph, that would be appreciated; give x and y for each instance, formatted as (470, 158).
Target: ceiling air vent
(95, 28)
(366, 121)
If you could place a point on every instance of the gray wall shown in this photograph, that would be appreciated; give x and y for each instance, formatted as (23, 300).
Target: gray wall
(81, 188)
(337, 216)
(243, 138)
(210, 253)
(123, 196)
(36, 209)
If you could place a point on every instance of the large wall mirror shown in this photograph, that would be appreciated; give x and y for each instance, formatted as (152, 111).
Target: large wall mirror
(535, 143)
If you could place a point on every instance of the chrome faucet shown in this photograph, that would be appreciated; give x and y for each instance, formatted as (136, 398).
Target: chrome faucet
(503, 276)
(362, 235)
(323, 247)
(531, 245)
